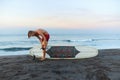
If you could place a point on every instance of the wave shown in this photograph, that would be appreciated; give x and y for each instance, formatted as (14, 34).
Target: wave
(55, 40)
(16, 49)
(83, 40)
(105, 39)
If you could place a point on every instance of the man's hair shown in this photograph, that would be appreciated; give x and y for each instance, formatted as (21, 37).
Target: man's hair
(30, 33)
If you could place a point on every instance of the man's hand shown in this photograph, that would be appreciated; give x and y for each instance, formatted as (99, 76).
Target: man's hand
(43, 46)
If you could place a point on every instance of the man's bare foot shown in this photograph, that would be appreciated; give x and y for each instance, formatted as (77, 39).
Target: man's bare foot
(42, 59)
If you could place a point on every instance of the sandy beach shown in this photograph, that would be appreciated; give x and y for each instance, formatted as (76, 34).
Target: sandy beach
(105, 66)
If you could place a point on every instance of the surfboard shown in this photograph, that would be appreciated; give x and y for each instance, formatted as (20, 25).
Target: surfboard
(64, 52)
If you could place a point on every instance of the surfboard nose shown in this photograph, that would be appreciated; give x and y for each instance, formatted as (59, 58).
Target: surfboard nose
(86, 52)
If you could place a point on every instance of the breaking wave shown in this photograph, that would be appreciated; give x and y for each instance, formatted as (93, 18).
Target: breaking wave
(16, 49)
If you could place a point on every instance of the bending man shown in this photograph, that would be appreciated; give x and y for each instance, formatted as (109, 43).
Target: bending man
(43, 37)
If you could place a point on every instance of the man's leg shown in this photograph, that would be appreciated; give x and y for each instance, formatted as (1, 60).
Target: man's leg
(44, 53)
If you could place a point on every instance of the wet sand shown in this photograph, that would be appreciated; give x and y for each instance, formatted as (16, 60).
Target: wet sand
(105, 66)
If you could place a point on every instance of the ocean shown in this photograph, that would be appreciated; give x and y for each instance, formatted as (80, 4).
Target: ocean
(20, 44)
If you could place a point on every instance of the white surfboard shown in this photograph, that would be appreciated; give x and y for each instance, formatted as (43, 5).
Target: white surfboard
(65, 52)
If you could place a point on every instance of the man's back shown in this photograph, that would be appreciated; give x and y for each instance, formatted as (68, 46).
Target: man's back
(42, 31)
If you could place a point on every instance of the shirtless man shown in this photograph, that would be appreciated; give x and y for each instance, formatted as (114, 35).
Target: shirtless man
(43, 37)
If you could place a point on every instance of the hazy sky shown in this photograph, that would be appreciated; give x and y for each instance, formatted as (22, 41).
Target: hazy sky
(60, 13)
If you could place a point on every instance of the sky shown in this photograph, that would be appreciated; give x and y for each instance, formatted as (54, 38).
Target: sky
(57, 14)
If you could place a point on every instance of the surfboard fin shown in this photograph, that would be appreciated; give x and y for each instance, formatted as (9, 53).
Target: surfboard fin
(34, 57)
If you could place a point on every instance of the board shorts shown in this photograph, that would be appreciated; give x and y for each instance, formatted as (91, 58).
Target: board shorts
(47, 36)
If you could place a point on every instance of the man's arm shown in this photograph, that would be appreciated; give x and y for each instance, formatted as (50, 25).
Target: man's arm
(44, 42)
(39, 38)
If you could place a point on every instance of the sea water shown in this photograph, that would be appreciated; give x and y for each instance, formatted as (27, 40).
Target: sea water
(20, 44)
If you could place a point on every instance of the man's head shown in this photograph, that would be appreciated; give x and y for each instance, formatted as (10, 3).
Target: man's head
(31, 33)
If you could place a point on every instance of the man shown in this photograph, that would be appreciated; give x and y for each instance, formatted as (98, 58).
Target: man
(43, 37)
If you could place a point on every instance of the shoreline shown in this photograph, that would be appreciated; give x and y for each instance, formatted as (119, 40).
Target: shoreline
(105, 66)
